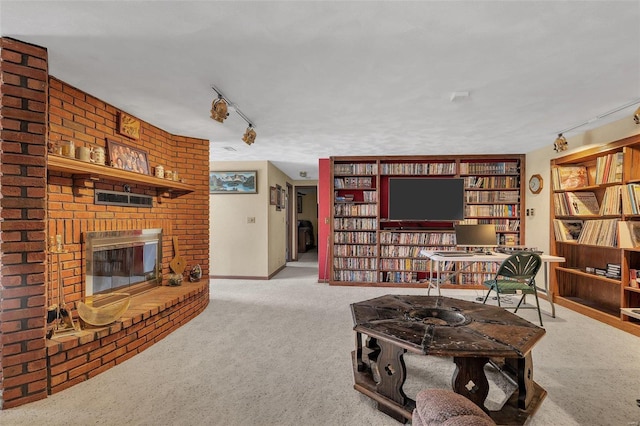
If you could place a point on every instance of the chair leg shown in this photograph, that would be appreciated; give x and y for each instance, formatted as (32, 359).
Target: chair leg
(538, 305)
(520, 303)
(487, 296)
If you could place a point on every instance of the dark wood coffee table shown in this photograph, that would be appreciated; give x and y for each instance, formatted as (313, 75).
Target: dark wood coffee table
(472, 333)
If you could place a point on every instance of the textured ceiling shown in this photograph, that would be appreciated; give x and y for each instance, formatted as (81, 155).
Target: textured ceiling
(347, 78)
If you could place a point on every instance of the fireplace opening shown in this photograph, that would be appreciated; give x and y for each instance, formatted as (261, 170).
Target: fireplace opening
(121, 263)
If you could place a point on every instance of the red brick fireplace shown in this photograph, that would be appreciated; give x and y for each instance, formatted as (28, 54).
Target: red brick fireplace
(39, 201)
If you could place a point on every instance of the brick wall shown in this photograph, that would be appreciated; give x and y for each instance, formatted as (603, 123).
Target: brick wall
(23, 126)
(77, 116)
(33, 106)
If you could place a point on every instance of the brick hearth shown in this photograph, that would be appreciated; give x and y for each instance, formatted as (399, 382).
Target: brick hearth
(150, 317)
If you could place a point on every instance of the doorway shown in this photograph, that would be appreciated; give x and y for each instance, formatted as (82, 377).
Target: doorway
(306, 214)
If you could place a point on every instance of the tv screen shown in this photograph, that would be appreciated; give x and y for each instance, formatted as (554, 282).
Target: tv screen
(426, 199)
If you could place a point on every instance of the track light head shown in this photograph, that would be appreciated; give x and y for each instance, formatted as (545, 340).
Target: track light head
(560, 143)
(249, 135)
(636, 116)
(219, 109)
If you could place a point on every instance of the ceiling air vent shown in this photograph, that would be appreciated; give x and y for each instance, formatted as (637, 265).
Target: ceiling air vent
(114, 198)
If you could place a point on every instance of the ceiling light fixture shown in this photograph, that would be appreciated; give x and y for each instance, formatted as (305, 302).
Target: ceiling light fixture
(223, 104)
(249, 135)
(219, 109)
(562, 143)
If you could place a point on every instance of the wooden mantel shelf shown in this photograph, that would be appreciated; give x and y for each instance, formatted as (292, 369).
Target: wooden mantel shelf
(96, 171)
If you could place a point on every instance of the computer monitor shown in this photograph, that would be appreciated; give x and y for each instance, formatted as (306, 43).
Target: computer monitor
(482, 236)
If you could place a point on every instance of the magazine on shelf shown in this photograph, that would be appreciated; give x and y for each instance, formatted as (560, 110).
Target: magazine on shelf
(582, 203)
(570, 177)
(567, 230)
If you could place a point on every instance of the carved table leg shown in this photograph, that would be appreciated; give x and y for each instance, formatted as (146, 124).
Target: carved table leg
(392, 372)
(524, 375)
(469, 379)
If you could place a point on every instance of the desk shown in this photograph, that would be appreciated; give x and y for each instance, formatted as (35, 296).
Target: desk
(472, 333)
(442, 276)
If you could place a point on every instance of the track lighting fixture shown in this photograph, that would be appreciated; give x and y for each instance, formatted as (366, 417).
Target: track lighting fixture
(560, 143)
(219, 113)
(249, 135)
(219, 109)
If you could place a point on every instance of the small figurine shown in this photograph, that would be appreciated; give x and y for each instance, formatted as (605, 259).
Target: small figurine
(195, 274)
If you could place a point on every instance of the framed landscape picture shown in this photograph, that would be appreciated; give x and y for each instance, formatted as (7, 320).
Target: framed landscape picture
(240, 182)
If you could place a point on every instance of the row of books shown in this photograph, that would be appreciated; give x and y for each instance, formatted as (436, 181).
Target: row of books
(354, 250)
(405, 265)
(402, 251)
(505, 182)
(626, 233)
(355, 169)
(569, 177)
(355, 209)
(609, 168)
(575, 204)
(502, 225)
(425, 238)
(500, 210)
(418, 168)
(631, 199)
(492, 196)
(354, 237)
(352, 182)
(503, 168)
(600, 232)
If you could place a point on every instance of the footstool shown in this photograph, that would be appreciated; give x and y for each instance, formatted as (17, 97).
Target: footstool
(441, 407)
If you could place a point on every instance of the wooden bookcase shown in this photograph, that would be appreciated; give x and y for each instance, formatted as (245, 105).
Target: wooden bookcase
(369, 249)
(579, 282)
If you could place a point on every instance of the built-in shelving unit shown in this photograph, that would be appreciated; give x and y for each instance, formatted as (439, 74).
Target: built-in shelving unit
(369, 249)
(98, 172)
(594, 215)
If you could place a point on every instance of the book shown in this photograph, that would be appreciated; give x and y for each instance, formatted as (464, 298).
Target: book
(567, 230)
(628, 234)
(570, 177)
(633, 278)
(582, 203)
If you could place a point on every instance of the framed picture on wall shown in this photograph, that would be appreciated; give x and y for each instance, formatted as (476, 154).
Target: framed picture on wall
(299, 203)
(240, 182)
(273, 196)
(128, 126)
(125, 157)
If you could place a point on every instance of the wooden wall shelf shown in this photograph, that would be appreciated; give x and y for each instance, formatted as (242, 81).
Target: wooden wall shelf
(99, 172)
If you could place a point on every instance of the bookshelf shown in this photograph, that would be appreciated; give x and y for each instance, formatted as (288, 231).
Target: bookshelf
(369, 249)
(595, 226)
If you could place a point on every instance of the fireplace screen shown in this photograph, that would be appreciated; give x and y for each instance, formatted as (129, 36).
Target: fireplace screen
(122, 261)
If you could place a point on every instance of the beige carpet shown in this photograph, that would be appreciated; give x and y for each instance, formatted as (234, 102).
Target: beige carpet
(278, 353)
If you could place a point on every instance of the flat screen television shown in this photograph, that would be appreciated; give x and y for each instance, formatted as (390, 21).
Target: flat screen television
(434, 199)
(475, 235)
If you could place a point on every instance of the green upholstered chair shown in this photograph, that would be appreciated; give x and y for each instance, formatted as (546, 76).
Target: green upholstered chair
(516, 275)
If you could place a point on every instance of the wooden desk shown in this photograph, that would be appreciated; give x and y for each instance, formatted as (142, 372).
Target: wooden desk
(472, 333)
(442, 276)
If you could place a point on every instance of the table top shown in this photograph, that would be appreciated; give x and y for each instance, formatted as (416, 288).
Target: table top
(482, 257)
(444, 326)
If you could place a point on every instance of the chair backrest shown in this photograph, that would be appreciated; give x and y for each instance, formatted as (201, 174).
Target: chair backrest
(521, 266)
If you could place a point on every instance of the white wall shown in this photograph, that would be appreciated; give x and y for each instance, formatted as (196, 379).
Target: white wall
(538, 226)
